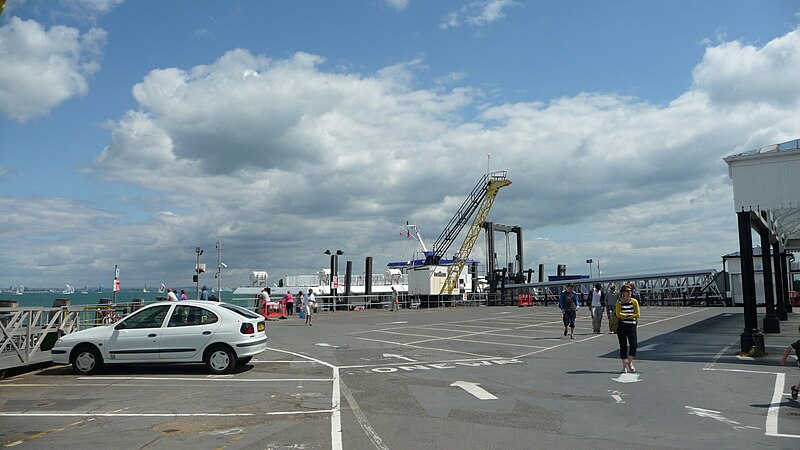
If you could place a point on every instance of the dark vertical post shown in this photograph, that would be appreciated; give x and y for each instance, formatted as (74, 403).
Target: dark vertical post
(750, 337)
(770, 323)
(780, 284)
(368, 276)
(490, 254)
(785, 280)
(541, 273)
(330, 282)
(518, 231)
(348, 280)
(503, 286)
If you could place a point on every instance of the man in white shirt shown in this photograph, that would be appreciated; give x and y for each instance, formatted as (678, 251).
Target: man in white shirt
(171, 296)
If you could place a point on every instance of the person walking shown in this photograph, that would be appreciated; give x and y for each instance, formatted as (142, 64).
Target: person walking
(395, 300)
(204, 293)
(288, 300)
(612, 296)
(627, 311)
(568, 303)
(795, 388)
(597, 299)
(308, 306)
(298, 301)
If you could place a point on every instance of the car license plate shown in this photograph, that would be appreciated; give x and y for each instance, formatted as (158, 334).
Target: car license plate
(260, 326)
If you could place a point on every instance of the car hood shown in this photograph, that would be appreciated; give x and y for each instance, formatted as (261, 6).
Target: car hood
(88, 334)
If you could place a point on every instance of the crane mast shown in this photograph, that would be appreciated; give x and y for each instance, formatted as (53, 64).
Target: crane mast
(479, 202)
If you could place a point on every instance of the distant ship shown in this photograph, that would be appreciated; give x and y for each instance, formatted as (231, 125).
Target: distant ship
(85, 290)
(20, 290)
(68, 289)
(145, 288)
(162, 289)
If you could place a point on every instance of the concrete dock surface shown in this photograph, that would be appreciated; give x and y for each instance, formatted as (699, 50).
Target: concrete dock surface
(451, 378)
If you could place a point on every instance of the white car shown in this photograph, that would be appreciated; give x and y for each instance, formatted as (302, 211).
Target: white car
(220, 335)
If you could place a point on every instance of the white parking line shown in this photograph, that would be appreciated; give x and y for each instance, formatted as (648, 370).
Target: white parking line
(170, 414)
(384, 341)
(336, 413)
(235, 380)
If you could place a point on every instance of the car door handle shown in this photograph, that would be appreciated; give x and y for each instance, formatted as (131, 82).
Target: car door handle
(152, 335)
(206, 332)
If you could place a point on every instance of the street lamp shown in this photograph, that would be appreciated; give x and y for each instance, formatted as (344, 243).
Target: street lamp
(589, 262)
(198, 271)
(220, 265)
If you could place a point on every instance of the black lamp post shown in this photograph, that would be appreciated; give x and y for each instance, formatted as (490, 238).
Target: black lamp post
(197, 270)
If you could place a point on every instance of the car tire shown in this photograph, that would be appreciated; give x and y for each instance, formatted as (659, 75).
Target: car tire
(86, 360)
(243, 361)
(220, 359)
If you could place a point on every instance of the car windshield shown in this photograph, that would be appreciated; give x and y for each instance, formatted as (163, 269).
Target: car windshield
(241, 311)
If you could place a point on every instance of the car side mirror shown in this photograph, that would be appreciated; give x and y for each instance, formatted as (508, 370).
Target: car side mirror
(120, 326)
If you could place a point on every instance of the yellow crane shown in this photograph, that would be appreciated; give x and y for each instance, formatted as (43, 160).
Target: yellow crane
(483, 196)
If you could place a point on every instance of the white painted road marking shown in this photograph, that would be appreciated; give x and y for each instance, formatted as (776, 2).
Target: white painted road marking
(627, 378)
(475, 389)
(716, 415)
(392, 355)
(393, 323)
(322, 344)
(617, 395)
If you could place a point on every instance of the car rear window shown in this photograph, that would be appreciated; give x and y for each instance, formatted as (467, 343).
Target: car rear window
(241, 311)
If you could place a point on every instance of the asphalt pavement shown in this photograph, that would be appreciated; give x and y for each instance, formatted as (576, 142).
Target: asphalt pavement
(451, 378)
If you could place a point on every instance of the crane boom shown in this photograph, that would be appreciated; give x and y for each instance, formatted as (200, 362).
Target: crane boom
(490, 185)
(462, 216)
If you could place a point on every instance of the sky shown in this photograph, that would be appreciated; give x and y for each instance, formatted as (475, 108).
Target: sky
(133, 132)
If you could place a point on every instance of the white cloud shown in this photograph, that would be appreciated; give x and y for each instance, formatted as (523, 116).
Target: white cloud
(293, 159)
(734, 73)
(88, 10)
(478, 13)
(43, 68)
(399, 5)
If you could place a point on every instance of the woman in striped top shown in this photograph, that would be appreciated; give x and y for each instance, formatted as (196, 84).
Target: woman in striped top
(627, 310)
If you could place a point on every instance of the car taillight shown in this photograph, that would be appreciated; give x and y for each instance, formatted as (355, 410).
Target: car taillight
(247, 328)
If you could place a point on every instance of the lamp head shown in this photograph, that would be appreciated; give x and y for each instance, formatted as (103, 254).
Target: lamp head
(339, 252)
(327, 252)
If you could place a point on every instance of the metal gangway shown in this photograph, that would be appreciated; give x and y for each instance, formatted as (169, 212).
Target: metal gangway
(28, 334)
(684, 288)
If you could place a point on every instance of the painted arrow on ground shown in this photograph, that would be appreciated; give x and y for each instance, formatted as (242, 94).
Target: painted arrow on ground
(392, 355)
(475, 389)
(627, 378)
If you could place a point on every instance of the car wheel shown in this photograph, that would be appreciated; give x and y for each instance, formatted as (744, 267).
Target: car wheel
(220, 360)
(86, 360)
(243, 361)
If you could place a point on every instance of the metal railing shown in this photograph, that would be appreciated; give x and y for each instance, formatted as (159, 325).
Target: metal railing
(28, 334)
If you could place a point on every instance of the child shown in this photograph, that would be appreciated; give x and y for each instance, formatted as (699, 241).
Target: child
(796, 346)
